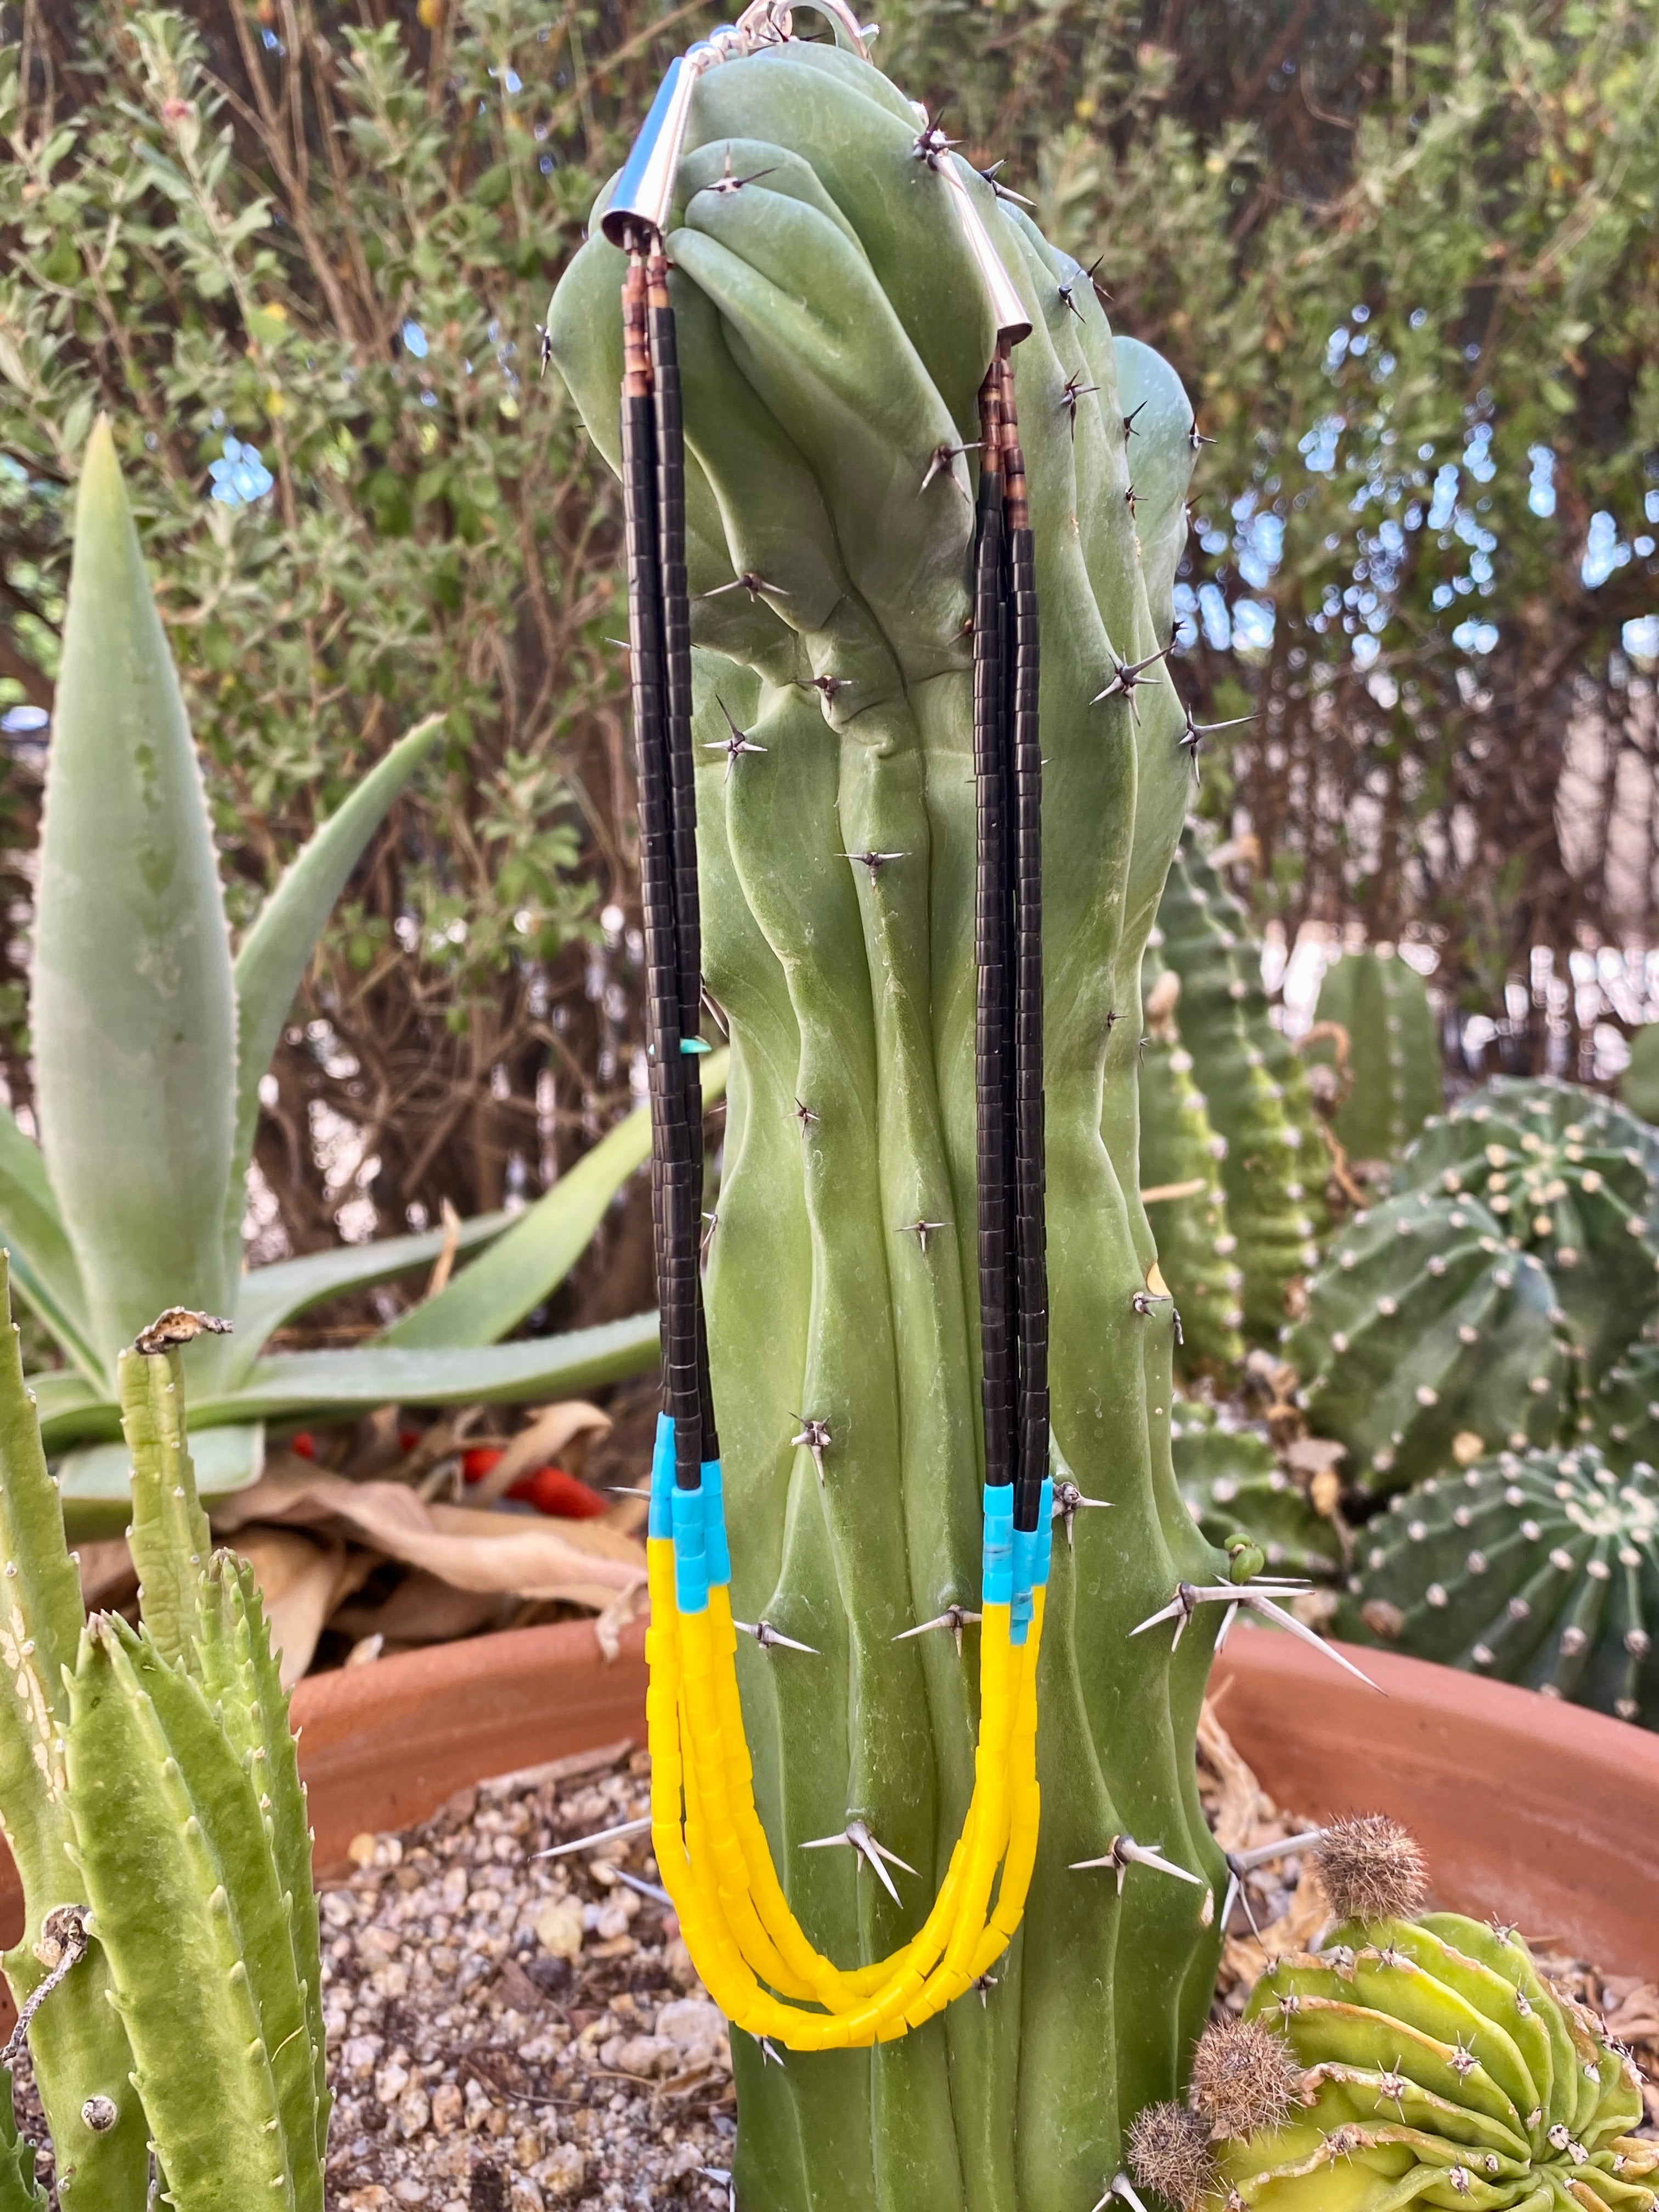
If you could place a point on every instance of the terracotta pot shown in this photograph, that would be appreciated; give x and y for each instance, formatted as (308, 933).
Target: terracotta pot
(1529, 1810)
(1540, 1813)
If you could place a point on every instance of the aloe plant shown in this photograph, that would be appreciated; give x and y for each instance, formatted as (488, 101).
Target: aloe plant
(169, 1979)
(150, 1042)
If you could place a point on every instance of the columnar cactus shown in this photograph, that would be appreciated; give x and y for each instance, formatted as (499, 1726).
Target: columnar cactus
(1574, 1180)
(1254, 1087)
(1395, 1083)
(1234, 1484)
(1181, 1157)
(1437, 2067)
(1429, 1341)
(1540, 1567)
(149, 1787)
(832, 336)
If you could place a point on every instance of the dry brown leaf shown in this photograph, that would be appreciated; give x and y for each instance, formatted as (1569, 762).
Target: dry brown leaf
(1312, 1455)
(302, 1577)
(1636, 2018)
(578, 1562)
(424, 1609)
(1242, 1800)
(548, 1440)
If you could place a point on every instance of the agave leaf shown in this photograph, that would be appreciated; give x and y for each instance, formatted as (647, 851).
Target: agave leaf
(278, 948)
(95, 1481)
(495, 1292)
(301, 1386)
(42, 1264)
(271, 1296)
(131, 1001)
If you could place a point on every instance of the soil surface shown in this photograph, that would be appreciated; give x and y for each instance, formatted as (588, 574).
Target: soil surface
(513, 2032)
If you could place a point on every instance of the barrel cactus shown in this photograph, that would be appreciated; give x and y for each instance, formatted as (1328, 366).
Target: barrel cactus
(1534, 1567)
(1621, 1414)
(1181, 1185)
(1437, 2067)
(832, 338)
(1380, 1003)
(1234, 1484)
(1428, 1341)
(1254, 1087)
(1574, 1179)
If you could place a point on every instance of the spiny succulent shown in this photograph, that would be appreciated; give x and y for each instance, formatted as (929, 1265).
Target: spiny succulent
(1168, 2148)
(1244, 2079)
(1439, 2068)
(1255, 1085)
(1180, 1182)
(1233, 1484)
(1370, 1868)
(1574, 1180)
(1395, 1083)
(1430, 1341)
(833, 337)
(1620, 1415)
(1540, 1568)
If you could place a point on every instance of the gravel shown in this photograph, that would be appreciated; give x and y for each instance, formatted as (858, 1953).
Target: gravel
(507, 2033)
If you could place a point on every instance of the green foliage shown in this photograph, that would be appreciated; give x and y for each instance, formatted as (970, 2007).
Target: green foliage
(1428, 1340)
(1181, 1157)
(1540, 1568)
(1440, 2069)
(1638, 1086)
(1255, 1088)
(1234, 1484)
(831, 336)
(121, 1215)
(1392, 1051)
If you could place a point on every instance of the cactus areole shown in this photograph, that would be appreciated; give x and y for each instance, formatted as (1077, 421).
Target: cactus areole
(868, 417)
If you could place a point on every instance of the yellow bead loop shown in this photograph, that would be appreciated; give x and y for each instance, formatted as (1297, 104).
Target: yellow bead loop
(715, 1861)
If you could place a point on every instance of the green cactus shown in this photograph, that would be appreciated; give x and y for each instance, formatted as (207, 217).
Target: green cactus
(170, 1967)
(1254, 1087)
(1621, 1415)
(1428, 1341)
(1438, 2068)
(1234, 1484)
(1638, 1086)
(136, 996)
(1395, 1083)
(832, 338)
(1537, 1567)
(1181, 1185)
(1574, 1179)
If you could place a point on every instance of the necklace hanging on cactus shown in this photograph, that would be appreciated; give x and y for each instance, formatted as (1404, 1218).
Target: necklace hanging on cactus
(713, 1852)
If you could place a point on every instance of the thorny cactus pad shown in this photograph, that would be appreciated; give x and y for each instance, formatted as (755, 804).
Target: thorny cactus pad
(1181, 1157)
(1254, 1087)
(1540, 1569)
(1382, 1004)
(1429, 1341)
(1234, 1484)
(1574, 1180)
(832, 339)
(1439, 2069)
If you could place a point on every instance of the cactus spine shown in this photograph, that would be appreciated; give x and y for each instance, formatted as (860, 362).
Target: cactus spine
(153, 1793)
(1428, 1341)
(1181, 1157)
(1380, 1003)
(832, 339)
(1540, 1568)
(1254, 1087)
